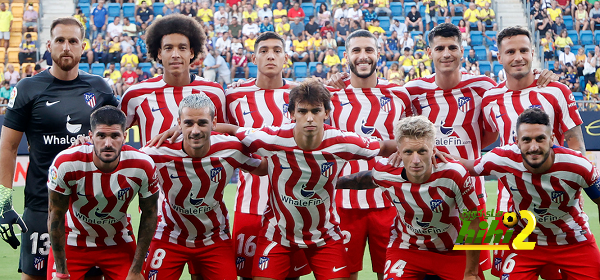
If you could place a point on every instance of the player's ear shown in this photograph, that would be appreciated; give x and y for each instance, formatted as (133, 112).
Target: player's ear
(253, 57)
(179, 124)
(124, 136)
(214, 123)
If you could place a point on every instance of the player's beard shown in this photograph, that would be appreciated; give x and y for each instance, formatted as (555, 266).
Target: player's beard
(537, 165)
(63, 65)
(363, 76)
(109, 160)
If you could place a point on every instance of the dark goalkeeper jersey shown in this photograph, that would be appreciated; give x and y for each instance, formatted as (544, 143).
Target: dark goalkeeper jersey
(52, 114)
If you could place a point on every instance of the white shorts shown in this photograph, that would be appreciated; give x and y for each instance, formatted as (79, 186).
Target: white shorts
(4, 35)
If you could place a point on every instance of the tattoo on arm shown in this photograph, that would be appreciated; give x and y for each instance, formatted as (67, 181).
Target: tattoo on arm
(574, 139)
(358, 181)
(57, 207)
(146, 231)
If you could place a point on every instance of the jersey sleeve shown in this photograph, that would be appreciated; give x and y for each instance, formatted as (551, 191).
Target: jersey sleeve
(56, 177)
(466, 198)
(489, 123)
(19, 109)
(359, 147)
(258, 141)
(249, 162)
(482, 164)
(150, 185)
(570, 115)
(380, 174)
(128, 105)
(592, 183)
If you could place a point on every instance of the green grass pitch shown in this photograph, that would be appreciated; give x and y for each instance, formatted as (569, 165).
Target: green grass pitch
(9, 258)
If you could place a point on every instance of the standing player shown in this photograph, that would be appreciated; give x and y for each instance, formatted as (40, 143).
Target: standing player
(547, 180)
(369, 107)
(305, 159)
(194, 225)
(92, 185)
(173, 41)
(255, 104)
(503, 104)
(52, 109)
(428, 200)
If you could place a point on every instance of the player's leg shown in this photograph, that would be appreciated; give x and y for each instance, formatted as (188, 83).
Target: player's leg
(272, 260)
(404, 264)
(35, 246)
(216, 261)
(571, 263)
(329, 261)
(165, 260)
(114, 261)
(353, 223)
(378, 235)
(78, 263)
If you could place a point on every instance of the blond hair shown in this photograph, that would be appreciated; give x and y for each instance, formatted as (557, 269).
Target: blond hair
(414, 127)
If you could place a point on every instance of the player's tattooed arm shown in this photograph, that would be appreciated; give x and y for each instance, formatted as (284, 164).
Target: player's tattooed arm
(58, 204)
(358, 181)
(227, 128)
(574, 139)
(146, 230)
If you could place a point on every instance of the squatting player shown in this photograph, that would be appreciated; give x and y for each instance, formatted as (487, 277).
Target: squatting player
(52, 108)
(255, 104)
(428, 200)
(194, 170)
(547, 180)
(305, 159)
(90, 188)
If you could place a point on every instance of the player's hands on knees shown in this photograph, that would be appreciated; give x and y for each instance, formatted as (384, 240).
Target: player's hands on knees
(80, 140)
(337, 80)
(134, 276)
(395, 159)
(9, 217)
(546, 77)
(169, 135)
(239, 83)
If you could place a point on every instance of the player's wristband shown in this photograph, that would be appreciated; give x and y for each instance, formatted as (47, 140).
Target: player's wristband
(62, 276)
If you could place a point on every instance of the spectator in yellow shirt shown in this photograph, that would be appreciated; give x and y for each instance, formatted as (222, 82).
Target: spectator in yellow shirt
(382, 6)
(279, 13)
(406, 60)
(375, 27)
(472, 16)
(249, 12)
(206, 14)
(249, 44)
(261, 3)
(481, 3)
(115, 76)
(299, 47)
(130, 58)
(314, 46)
(283, 28)
(554, 11)
(87, 51)
(487, 16)
(331, 58)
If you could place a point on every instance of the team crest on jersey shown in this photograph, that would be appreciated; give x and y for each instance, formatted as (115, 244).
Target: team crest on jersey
(124, 194)
(286, 111)
(367, 130)
(239, 263)
(557, 196)
(90, 99)
(327, 169)
(464, 104)
(216, 174)
(505, 277)
(498, 264)
(263, 263)
(436, 205)
(38, 263)
(535, 106)
(153, 274)
(13, 96)
(386, 104)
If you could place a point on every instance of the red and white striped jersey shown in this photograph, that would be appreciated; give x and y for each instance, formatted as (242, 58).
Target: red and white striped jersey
(369, 112)
(502, 107)
(251, 106)
(153, 104)
(456, 114)
(553, 196)
(301, 209)
(97, 214)
(193, 213)
(428, 213)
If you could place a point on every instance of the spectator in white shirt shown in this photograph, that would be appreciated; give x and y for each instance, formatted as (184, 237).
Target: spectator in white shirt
(406, 41)
(223, 46)
(221, 14)
(115, 28)
(265, 12)
(567, 57)
(341, 12)
(398, 26)
(250, 27)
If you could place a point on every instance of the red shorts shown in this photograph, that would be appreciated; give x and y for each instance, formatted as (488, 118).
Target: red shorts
(358, 225)
(273, 260)
(416, 264)
(166, 260)
(578, 261)
(246, 228)
(485, 262)
(114, 261)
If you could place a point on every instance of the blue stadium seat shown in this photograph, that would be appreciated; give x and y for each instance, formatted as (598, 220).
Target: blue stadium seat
(480, 52)
(253, 69)
(550, 64)
(422, 11)
(456, 20)
(84, 67)
(111, 19)
(384, 22)
(83, 1)
(98, 69)
(467, 48)
(578, 96)
(484, 66)
(118, 66)
(114, 9)
(312, 66)
(400, 19)
(389, 63)
(299, 80)
(426, 36)
(322, 1)
(575, 48)
(497, 67)
(597, 36)
(158, 6)
(589, 48)
(145, 66)
(218, 4)
(396, 8)
(573, 35)
(458, 10)
(300, 69)
(308, 8)
(476, 38)
(129, 10)
(408, 5)
(568, 22)
(581, 82)
(413, 34)
(85, 8)
(341, 51)
(586, 37)
(491, 34)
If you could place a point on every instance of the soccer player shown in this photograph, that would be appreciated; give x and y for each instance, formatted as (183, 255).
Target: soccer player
(52, 108)
(547, 180)
(255, 104)
(368, 106)
(305, 159)
(90, 189)
(194, 226)
(503, 104)
(427, 200)
(173, 41)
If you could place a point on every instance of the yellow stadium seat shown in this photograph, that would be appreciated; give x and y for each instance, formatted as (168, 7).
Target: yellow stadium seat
(13, 55)
(24, 66)
(2, 58)
(17, 9)
(2, 68)
(17, 24)
(36, 7)
(15, 40)
(18, 1)
(33, 1)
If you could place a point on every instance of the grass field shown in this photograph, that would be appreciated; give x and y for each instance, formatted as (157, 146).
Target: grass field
(9, 258)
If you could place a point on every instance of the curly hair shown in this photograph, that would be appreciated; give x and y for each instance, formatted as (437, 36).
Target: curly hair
(175, 24)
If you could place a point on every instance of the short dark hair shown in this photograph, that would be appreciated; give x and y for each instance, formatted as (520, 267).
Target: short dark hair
(311, 92)
(266, 36)
(512, 31)
(175, 24)
(533, 116)
(68, 21)
(360, 33)
(407, 49)
(107, 115)
(446, 30)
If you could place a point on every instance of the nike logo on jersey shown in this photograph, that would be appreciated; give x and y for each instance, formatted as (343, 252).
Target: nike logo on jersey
(246, 113)
(81, 194)
(497, 117)
(174, 176)
(397, 201)
(422, 107)
(281, 166)
(298, 268)
(335, 269)
(344, 104)
(158, 109)
(48, 103)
